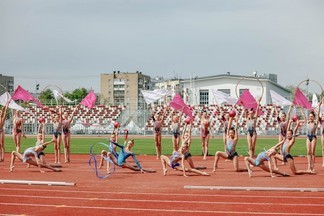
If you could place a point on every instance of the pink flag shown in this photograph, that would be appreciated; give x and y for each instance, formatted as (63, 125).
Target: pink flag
(248, 101)
(178, 104)
(301, 100)
(22, 94)
(89, 100)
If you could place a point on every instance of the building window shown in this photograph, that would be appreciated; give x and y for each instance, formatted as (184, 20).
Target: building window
(203, 97)
(226, 91)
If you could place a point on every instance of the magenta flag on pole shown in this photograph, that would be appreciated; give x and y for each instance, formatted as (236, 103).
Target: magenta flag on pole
(178, 104)
(301, 100)
(89, 100)
(248, 101)
(22, 94)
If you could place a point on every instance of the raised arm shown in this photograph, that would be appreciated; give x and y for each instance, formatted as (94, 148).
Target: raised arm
(116, 144)
(23, 128)
(4, 112)
(229, 126)
(289, 111)
(318, 114)
(49, 142)
(184, 131)
(72, 115)
(236, 130)
(257, 110)
(279, 143)
(303, 114)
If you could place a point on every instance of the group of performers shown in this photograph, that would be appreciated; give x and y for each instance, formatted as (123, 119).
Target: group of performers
(266, 160)
(181, 142)
(34, 155)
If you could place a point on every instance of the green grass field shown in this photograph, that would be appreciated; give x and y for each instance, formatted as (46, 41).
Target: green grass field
(145, 145)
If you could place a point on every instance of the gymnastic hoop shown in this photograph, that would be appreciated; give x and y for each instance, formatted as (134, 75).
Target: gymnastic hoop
(53, 87)
(321, 87)
(249, 78)
(93, 162)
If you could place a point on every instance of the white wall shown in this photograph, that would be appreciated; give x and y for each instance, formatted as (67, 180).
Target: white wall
(234, 84)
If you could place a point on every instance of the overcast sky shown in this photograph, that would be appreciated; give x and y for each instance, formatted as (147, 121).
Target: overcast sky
(69, 43)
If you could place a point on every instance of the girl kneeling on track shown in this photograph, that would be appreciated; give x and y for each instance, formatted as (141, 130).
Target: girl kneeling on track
(33, 152)
(173, 161)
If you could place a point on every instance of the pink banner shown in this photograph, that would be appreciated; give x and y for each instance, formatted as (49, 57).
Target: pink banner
(22, 94)
(178, 104)
(248, 101)
(301, 100)
(89, 100)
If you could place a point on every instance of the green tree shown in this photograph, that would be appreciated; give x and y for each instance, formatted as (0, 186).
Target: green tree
(77, 94)
(46, 96)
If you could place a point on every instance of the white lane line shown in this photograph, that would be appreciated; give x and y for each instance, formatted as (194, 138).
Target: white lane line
(162, 194)
(158, 210)
(27, 182)
(161, 201)
(254, 188)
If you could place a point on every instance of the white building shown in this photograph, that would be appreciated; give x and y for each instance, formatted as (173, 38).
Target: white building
(199, 90)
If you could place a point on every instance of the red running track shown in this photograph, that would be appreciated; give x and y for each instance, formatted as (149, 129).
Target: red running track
(129, 193)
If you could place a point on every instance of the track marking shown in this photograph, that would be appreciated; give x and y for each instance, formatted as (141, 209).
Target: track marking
(28, 182)
(160, 210)
(162, 194)
(254, 188)
(158, 201)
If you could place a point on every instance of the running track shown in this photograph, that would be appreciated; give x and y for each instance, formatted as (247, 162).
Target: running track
(129, 193)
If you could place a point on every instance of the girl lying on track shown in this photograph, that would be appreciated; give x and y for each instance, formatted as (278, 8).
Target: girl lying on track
(124, 153)
(28, 155)
(231, 142)
(177, 156)
(261, 159)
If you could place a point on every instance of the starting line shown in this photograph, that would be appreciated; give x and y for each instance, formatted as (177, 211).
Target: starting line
(254, 188)
(49, 183)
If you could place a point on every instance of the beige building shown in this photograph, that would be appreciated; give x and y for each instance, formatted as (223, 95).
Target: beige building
(6, 82)
(124, 88)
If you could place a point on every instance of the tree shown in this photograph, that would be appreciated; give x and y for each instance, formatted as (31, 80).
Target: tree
(77, 94)
(46, 96)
